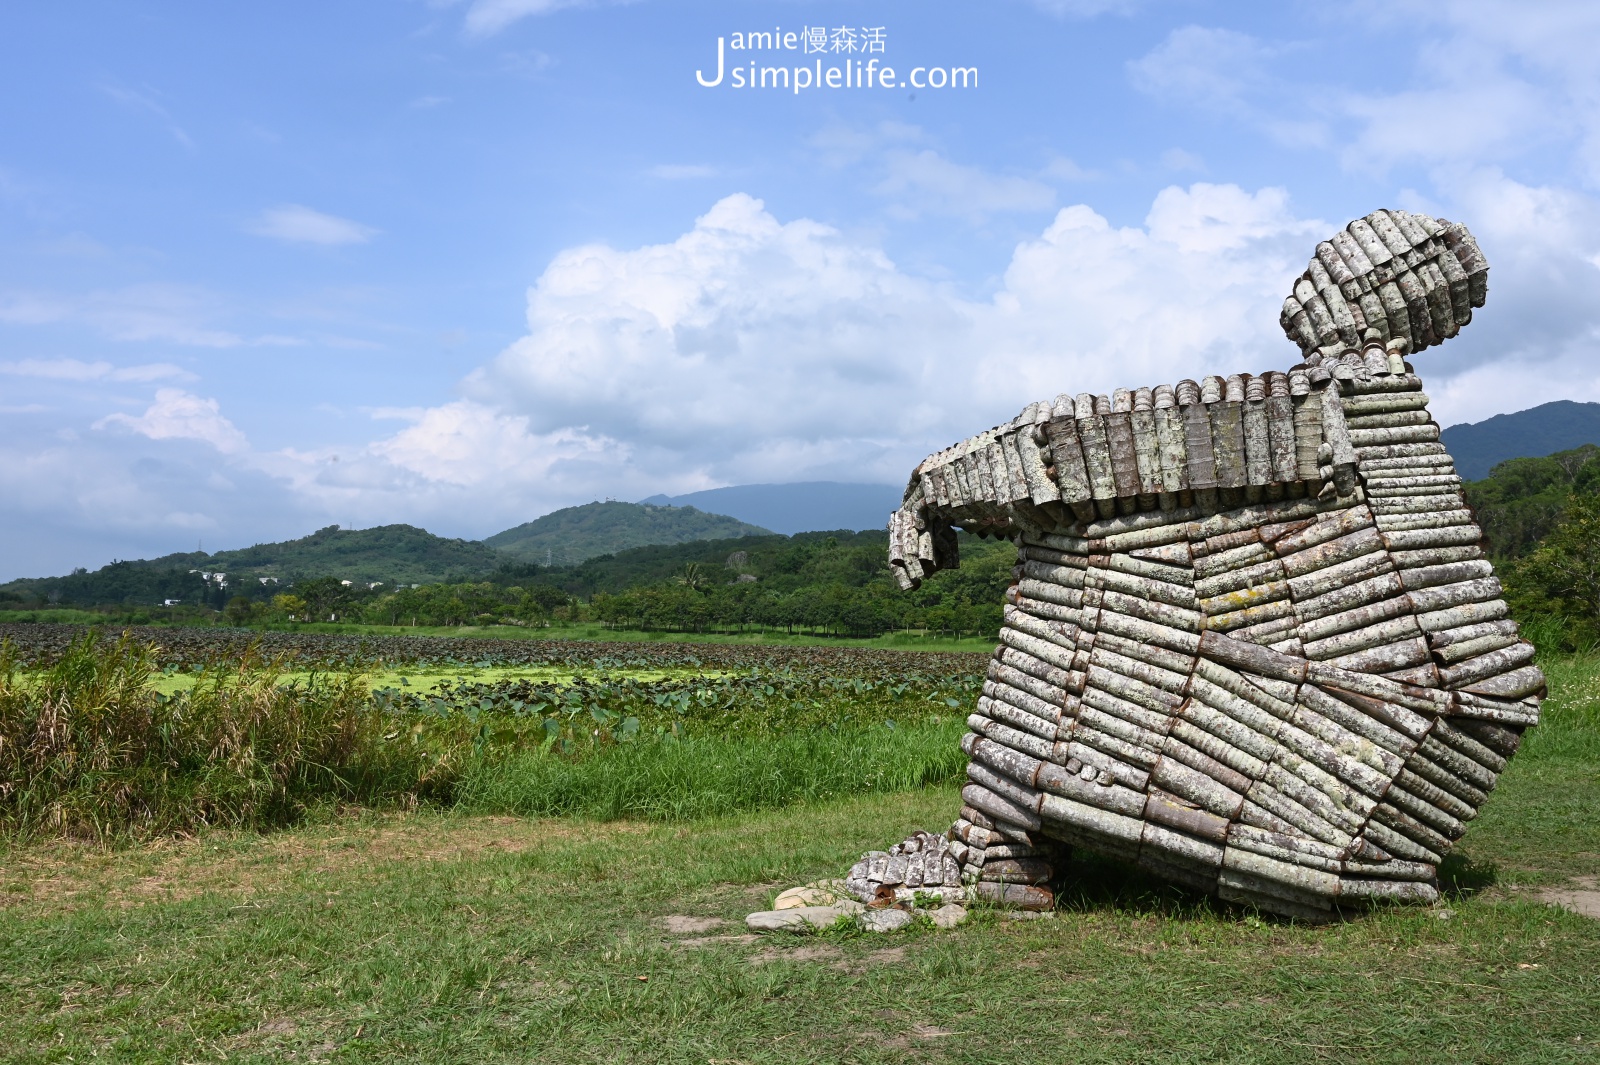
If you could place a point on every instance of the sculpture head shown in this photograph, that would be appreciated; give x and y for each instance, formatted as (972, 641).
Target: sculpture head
(1398, 280)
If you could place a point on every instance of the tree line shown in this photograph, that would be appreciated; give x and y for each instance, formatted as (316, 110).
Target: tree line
(826, 585)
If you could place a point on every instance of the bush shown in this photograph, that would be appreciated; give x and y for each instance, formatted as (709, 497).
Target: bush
(90, 748)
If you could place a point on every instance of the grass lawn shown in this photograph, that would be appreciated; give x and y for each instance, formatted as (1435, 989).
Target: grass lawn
(445, 937)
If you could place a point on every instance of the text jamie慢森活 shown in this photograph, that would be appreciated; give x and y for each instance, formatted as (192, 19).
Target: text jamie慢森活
(843, 44)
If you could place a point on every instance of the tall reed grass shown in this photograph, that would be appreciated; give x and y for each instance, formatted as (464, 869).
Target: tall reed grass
(90, 748)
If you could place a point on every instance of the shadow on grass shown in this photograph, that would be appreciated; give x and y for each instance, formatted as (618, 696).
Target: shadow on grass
(1090, 883)
(1460, 877)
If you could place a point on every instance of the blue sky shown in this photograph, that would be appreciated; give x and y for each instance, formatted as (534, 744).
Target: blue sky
(269, 267)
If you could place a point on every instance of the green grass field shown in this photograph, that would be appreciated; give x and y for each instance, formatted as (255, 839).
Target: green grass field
(471, 935)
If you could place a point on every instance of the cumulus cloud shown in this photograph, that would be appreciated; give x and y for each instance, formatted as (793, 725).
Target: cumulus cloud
(179, 415)
(466, 444)
(297, 224)
(751, 348)
(755, 349)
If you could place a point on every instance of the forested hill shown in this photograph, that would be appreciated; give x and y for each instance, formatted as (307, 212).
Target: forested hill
(1550, 427)
(567, 537)
(848, 557)
(391, 554)
(1523, 499)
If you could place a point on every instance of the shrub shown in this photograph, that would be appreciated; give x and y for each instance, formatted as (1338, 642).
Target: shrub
(90, 748)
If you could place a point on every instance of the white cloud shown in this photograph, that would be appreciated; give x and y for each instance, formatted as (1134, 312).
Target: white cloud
(1201, 66)
(488, 17)
(297, 224)
(147, 102)
(1519, 75)
(77, 370)
(1473, 83)
(466, 444)
(1180, 160)
(1086, 8)
(751, 349)
(155, 311)
(918, 180)
(681, 171)
(927, 182)
(179, 314)
(1064, 169)
(1538, 336)
(31, 308)
(180, 415)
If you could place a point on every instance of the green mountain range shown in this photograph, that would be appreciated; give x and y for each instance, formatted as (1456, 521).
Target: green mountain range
(1546, 429)
(389, 555)
(569, 536)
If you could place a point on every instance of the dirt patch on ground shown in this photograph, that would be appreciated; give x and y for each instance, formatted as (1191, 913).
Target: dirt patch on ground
(678, 924)
(809, 952)
(1581, 896)
(870, 960)
(66, 875)
(711, 941)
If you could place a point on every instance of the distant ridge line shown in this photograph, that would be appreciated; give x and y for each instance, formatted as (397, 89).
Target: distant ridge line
(1560, 425)
(801, 506)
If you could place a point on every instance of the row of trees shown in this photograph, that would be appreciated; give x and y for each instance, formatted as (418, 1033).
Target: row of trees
(1541, 519)
(836, 609)
(471, 603)
(822, 587)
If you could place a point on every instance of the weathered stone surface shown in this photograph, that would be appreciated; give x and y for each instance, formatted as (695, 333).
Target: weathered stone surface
(948, 916)
(884, 920)
(795, 919)
(809, 895)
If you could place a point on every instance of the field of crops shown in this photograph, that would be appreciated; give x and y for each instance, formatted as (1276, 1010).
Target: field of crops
(574, 687)
(196, 648)
(118, 730)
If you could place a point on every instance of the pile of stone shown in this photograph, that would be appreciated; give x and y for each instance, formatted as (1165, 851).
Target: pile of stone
(939, 877)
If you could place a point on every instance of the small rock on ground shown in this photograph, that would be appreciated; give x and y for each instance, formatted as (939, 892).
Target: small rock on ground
(800, 918)
(1030, 915)
(947, 916)
(809, 895)
(884, 920)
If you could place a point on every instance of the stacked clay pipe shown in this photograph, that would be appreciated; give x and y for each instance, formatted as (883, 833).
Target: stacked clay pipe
(1254, 643)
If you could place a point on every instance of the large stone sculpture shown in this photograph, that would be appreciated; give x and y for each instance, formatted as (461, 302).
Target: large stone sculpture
(1254, 644)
